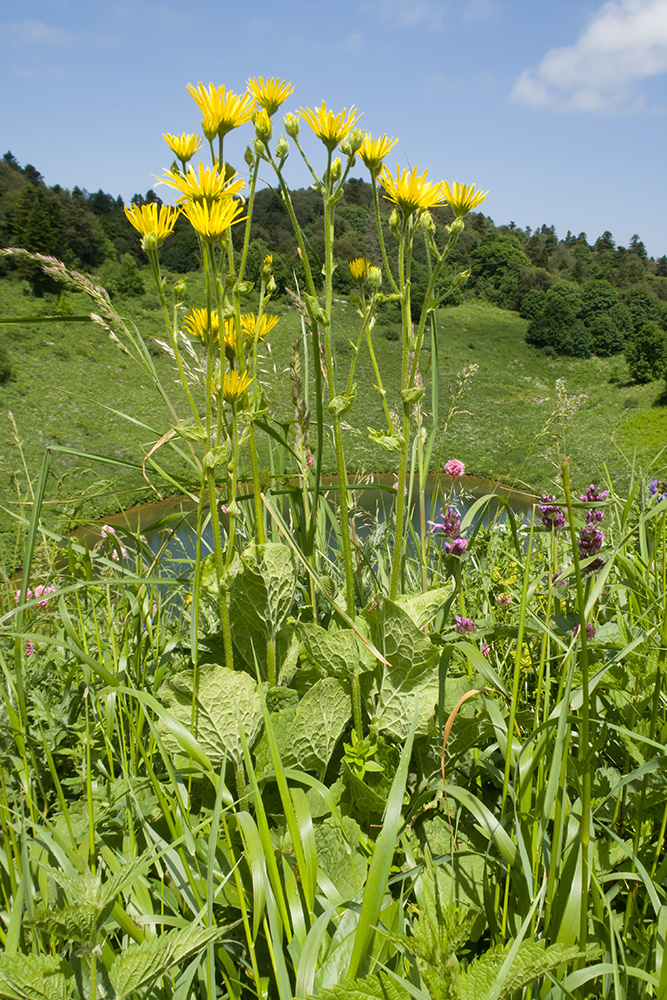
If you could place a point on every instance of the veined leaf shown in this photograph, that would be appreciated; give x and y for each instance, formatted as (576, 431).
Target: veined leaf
(140, 965)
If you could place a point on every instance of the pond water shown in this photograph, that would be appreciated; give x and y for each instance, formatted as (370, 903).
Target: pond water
(170, 525)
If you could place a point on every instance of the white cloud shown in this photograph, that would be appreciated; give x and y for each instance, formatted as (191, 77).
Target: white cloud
(33, 33)
(406, 13)
(624, 43)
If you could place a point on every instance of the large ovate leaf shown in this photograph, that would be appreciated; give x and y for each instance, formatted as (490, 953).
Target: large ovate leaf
(423, 608)
(262, 590)
(225, 699)
(412, 674)
(140, 965)
(335, 652)
(339, 857)
(319, 721)
(532, 961)
(35, 977)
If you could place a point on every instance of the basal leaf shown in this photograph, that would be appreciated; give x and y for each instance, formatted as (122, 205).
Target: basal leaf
(335, 652)
(423, 608)
(223, 695)
(260, 597)
(412, 674)
(319, 721)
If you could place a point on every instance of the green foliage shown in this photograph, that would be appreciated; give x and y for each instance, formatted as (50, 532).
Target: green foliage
(122, 278)
(646, 353)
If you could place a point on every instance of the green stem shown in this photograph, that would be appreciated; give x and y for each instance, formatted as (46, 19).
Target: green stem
(220, 572)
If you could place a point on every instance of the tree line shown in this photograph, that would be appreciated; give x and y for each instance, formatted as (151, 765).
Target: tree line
(580, 297)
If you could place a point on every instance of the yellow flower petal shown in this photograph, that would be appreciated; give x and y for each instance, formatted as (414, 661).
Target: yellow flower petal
(409, 191)
(327, 126)
(269, 93)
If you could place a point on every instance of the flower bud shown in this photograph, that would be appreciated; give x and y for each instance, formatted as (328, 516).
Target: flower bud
(374, 277)
(427, 223)
(355, 139)
(461, 278)
(263, 127)
(456, 227)
(179, 289)
(249, 156)
(336, 169)
(267, 264)
(292, 125)
(394, 221)
(150, 242)
(259, 146)
(282, 148)
(271, 285)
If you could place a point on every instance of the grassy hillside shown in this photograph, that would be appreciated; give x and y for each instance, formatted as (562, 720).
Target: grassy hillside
(71, 386)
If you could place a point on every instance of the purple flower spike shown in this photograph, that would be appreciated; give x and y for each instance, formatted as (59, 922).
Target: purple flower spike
(594, 495)
(464, 625)
(590, 630)
(553, 516)
(457, 547)
(658, 489)
(450, 524)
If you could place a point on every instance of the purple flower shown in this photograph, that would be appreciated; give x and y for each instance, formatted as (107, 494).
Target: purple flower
(553, 516)
(450, 524)
(658, 489)
(464, 625)
(486, 649)
(504, 599)
(29, 648)
(593, 494)
(457, 547)
(43, 592)
(590, 630)
(590, 540)
(594, 516)
(557, 580)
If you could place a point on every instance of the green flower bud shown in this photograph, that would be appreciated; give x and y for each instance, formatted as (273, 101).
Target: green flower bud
(265, 269)
(355, 139)
(292, 125)
(336, 169)
(249, 156)
(374, 277)
(456, 227)
(461, 278)
(263, 126)
(259, 146)
(427, 223)
(150, 242)
(271, 286)
(282, 148)
(394, 221)
(179, 289)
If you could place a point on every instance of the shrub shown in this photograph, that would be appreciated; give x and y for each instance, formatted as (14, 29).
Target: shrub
(646, 353)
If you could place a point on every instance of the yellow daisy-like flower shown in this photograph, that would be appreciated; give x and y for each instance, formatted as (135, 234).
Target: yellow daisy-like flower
(269, 93)
(206, 185)
(373, 152)
(154, 222)
(213, 221)
(229, 338)
(234, 385)
(327, 126)
(252, 330)
(222, 110)
(198, 325)
(182, 146)
(359, 269)
(409, 191)
(461, 198)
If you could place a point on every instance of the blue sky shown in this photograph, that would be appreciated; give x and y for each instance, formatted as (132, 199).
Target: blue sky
(557, 108)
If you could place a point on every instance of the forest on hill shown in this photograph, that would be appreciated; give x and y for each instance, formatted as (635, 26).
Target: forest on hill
(581, 297)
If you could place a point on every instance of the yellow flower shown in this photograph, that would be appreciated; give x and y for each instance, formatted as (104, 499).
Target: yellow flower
(153, 222)
(205, 186)
(252, 330)
(461, 198)
(182, 146)
(197, 324)
(327, 126)
(213, 221)
(359, 269)
(221, 110)
(373, 152)
(409, 191)
(269, 93)
(229, 338)
(234, 385)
